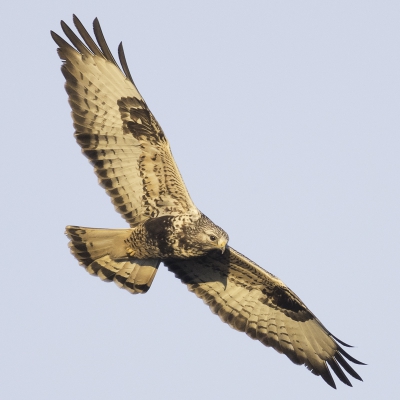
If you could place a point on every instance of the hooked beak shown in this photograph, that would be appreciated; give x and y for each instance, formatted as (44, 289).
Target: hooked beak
(222, 245)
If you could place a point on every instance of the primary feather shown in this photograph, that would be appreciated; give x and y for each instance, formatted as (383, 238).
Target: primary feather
(133, 161)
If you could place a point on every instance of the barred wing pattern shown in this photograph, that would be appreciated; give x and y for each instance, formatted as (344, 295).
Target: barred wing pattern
(253, 301)
(117, 131)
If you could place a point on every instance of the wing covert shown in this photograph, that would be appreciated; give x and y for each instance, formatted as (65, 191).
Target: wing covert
(117, 132)
(253, 301)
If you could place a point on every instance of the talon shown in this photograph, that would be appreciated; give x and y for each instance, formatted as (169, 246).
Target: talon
(130, 251)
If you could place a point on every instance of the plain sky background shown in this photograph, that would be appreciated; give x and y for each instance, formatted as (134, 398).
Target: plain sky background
(283, 117)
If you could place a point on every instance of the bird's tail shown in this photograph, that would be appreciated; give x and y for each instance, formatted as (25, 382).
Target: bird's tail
(103, 253)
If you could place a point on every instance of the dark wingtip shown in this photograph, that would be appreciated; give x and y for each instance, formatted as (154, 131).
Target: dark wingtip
(326, 376)
(102, 42)
(96, 24)
(90, 43)
(341, 342)
(338, 371)
(338, 362)
(331, 383)
(60, 41)
(55, 36)
(124, 64)
(339, 358)
(349, 357)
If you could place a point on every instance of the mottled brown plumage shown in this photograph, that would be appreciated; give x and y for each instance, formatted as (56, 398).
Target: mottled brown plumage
(132, 159)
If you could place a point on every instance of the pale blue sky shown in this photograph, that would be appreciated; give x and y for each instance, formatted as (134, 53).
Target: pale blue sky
(283, 117)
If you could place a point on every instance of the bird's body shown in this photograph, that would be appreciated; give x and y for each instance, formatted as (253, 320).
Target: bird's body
(180, 236)
(133, 161)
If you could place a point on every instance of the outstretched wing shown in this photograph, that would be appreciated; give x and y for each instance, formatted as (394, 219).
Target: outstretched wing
(118, 132)
(254, 301)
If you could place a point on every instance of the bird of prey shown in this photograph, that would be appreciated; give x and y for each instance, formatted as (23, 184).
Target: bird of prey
(133, 161)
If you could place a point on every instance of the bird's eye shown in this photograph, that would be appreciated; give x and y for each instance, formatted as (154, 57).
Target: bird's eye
(213, 238)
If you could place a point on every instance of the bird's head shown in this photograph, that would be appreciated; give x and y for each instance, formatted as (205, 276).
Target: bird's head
(214, 239)
(211, 236)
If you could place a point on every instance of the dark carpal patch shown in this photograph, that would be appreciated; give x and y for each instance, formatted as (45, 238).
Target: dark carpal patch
(138, 120)
(284, 300)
